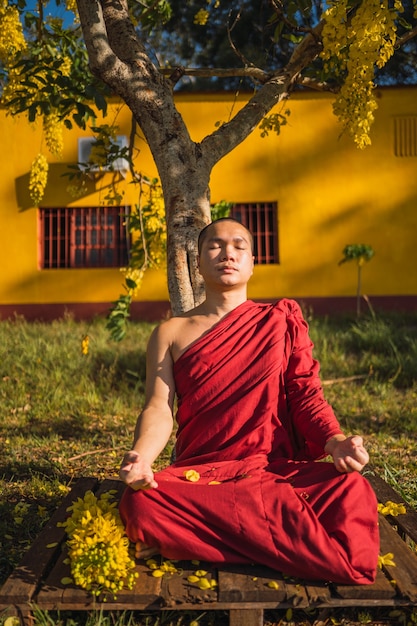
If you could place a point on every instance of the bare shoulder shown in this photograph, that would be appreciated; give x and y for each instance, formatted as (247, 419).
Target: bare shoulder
(166, 332)
(177, 333)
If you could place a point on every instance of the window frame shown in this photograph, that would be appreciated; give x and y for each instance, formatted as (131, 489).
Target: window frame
(261, 219)
(83, 237)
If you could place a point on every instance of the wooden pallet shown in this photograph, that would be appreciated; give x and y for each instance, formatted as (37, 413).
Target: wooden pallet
(242, 590)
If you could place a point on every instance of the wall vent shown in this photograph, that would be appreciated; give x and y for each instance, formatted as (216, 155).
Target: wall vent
(405, 136)
(85, 145)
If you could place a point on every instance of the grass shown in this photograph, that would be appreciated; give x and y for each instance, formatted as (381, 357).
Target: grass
(65, 414)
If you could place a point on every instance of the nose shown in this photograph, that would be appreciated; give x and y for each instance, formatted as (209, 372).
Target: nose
(228, 253)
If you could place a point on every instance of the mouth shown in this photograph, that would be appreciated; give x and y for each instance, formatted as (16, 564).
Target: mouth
(227, 268)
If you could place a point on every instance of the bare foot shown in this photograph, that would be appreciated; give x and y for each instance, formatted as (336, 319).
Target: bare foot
(142, 551)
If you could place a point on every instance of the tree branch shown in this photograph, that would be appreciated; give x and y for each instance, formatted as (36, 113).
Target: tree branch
(219, 72)
(406, 38)
(274, 90)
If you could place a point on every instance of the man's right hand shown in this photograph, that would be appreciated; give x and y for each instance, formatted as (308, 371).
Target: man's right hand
(136, 472)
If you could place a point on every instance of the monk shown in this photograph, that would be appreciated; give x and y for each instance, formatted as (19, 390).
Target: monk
(246, 485)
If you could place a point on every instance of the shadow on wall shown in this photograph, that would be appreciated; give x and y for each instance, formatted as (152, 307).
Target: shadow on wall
(56, 192)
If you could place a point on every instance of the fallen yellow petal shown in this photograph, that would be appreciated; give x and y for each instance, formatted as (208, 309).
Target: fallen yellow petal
(66, 580)
(386, 559)
(192, 475)
(204, 583)
(273, 584)
(193, 579)
(157, 573)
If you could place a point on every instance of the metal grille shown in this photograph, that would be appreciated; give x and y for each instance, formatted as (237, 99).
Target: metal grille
(405, 136)
(83, 237)
(261, 218)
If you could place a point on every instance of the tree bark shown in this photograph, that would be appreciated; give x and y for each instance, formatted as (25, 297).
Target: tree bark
(118, 58)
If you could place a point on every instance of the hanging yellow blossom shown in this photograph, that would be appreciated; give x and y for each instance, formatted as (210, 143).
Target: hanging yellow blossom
(391, 508)
(98, 548)
(52, 127)
(134, 277)
(353, 49)
(12, 40)
(38, 178)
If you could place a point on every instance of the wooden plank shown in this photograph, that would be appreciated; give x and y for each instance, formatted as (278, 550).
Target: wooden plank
(296, 594)
(379, 590)
(405, 571)
(21, 585)
(249, 583)
(246, 617)
(54, 595)
(406, 522)
(243, 590)
(111, 484)
(177, 590)
(318, 593)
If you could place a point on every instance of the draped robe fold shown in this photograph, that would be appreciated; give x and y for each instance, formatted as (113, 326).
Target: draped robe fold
(252, 421)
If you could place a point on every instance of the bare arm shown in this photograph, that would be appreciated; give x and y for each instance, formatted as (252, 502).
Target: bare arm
(154, 425)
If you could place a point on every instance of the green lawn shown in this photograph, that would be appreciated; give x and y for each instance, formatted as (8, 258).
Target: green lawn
(65, 414)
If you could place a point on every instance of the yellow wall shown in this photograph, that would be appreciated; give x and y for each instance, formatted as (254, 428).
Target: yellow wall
(329, 194)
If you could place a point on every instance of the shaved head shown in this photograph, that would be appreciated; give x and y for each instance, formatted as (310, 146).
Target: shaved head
(206, 230)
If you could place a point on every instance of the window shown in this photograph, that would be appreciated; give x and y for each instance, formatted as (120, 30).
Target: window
(83, 237)
(261, 218)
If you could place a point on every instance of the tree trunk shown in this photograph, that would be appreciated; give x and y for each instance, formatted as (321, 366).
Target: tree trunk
(118, 57)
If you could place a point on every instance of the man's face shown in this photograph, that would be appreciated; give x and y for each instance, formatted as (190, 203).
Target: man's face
(226, 254)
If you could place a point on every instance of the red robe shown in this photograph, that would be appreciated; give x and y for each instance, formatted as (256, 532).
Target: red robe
(251, 420)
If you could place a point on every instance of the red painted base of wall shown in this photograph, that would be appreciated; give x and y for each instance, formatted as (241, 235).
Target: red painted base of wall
(156, 311)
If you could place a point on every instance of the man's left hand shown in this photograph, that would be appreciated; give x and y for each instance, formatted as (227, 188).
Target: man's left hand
(349, 454)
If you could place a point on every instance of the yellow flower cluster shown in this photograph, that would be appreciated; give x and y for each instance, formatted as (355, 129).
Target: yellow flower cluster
(353, 49)
(386, 559)
(12, 40)
(85, 344)
(201, 17)
(66, 66)
(20, 510)
(52, 128)
(71, 5)
(98, 548)
(38, 178)
(134, 277)
(391, 508)
(156, 228)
